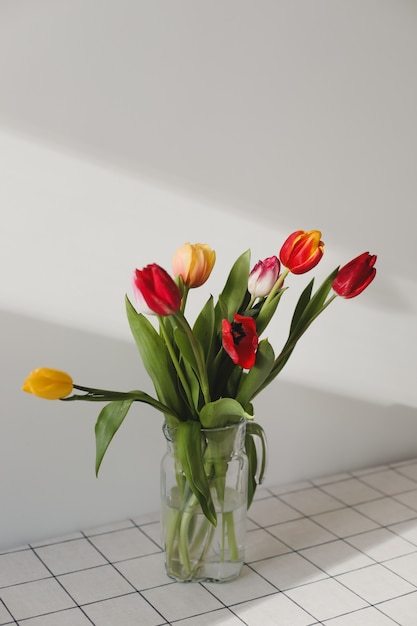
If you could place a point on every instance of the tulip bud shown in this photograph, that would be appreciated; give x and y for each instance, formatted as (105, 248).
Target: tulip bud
(263, 277)
(355, 276)
(193, 262)
(48, 383)
(240, 340)
(155, 291)
(302, 251)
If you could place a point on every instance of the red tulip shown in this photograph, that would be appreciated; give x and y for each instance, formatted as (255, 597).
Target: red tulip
(240, 340)
(355, 276)
(302, 251)
(263, 277)
(155, 290)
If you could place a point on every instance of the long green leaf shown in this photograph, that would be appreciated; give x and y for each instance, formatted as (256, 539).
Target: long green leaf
(256, 467)
(190, 456)
(203, 328)
(108, 423)
(235, 291)
(313, 307)
(303, 300)
(255, 430)
(266, 312)
(251, 453)
(185, 348)
(252, 380)
(157, 362)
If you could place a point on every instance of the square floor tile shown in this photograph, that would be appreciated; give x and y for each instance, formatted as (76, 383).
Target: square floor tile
(271, 511)
(145, 572)
(386, 511)
(336, 557)
(178, 601)
(221, 617)
(375, 583)
(70, 556)
(403, 610)
(405, 566)
(21, 567)
(264, 612)
(154, 532)
(301, 533)
(129, 610)
(364, 617)
(409, 470)
(409, 498)
(260, 544)
(381, 544)
(36, 598)
(69, 617)
(311, 501)
(345, 522)
(389, 482)
(5, 617)
(351, 491)
(97, 583)
(288, 570)
(326, 599)
(407, 530)
(124, 544)
(261, 493)
(249, 586)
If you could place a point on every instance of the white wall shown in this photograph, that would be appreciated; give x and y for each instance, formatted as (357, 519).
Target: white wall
(233, 124)
(346, 398)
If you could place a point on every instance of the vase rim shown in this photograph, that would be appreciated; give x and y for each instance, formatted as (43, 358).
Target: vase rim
(242, 421)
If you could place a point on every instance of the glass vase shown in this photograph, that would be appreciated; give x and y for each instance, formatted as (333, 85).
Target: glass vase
(195, 549)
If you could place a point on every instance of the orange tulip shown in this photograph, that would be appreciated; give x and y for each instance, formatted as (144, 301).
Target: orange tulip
(302, 251)
(193, 262)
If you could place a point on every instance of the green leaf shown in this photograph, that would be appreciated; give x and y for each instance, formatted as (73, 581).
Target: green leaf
(251, 453)
(190, 456)
(235, 291)
(221, 413)
(255, 430)
(157, 361)
(254, 379)
(204, 328)
(186, 350)
(303, 300)
(313, 307)
(107, 425)
(256, 468)
(307, 310)
(267, 311)
(194, 386)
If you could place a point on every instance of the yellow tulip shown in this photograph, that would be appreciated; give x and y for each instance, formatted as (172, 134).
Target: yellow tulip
(193, 262)
(48, 383)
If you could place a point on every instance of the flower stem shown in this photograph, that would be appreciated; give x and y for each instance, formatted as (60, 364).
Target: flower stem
(277, 286)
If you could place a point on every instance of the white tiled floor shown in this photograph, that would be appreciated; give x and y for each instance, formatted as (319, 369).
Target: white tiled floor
(337, 551)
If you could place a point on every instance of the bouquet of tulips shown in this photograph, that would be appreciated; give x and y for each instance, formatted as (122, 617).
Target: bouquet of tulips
(206, 375)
